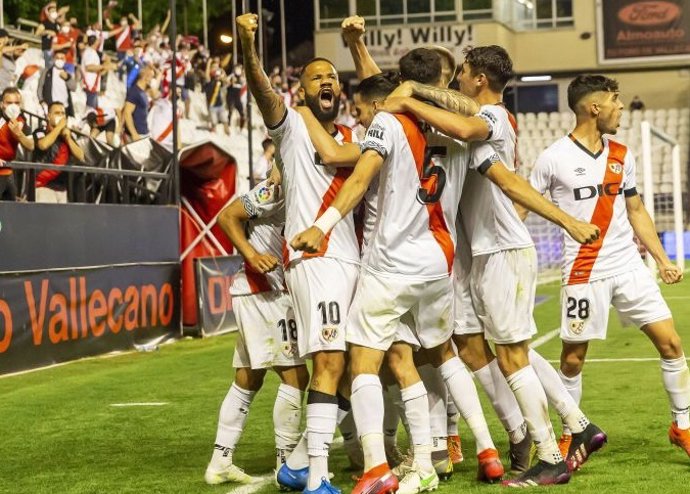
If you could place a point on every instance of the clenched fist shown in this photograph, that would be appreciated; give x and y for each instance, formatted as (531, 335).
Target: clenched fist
(309, 240)
(247, 25)
(352, 28)
(670, 273)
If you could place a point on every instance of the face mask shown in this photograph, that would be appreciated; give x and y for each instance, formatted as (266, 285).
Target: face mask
(65, 29)
(12, 111)
(59, 64)
(53, 16)
(123, 23)
(238, 72)
(57, 121)
(154, 84)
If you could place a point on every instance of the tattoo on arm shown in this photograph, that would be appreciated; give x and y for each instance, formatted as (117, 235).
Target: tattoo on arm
(270, 104)
(449, 99)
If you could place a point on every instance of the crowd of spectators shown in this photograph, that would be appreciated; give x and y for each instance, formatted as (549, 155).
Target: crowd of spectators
(74, 101)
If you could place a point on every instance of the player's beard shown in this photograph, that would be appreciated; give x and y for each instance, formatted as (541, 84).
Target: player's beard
(322, 115)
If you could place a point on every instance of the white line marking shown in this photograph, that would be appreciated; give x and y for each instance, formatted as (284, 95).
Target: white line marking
(545, 338)
(614, 360)
(144, 404)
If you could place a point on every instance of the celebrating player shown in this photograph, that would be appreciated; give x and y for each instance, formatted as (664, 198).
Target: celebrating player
(593, 177)
(321, 284)
(267, 331)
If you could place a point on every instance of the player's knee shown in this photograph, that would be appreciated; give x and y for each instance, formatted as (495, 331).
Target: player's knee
(671, 347)
(572, 364)
(250, 379)
(329, 366)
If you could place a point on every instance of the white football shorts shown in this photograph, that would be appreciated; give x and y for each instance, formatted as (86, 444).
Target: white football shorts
(321, 289)
(503, 286)
(267, 331)
(585, 307)
(465, 319)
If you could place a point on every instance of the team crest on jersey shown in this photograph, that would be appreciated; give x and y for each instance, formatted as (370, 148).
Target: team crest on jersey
(580, 171)
(577, 326)
(329, 334)
(616, 167)
(263, 194)
(289, 349)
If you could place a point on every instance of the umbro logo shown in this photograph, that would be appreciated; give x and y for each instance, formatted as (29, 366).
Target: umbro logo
(580, 171)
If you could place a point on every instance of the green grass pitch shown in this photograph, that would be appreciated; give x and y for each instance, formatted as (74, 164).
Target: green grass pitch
(59, 434)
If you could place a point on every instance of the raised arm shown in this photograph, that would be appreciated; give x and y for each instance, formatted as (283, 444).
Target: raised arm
(270, 104)
(164, 27)
(348, 197)
(446, 98)
(353, 31)
(231, 221)
(453, 125)
(644, 229)
(331, 153)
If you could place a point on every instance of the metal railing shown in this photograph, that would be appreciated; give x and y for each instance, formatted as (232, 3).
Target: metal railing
(89, 184)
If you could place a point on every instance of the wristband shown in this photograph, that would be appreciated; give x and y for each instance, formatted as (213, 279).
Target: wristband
(328, 220)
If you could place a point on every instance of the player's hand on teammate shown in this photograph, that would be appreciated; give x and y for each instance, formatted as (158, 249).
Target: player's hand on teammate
(393, 105)
(263, 263)
(404, 90)
(352, 28)
(670, 273)
(309, 240)
(247, 25)
(583, 233)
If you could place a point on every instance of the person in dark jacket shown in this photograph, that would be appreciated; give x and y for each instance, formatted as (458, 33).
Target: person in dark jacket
(56, 84)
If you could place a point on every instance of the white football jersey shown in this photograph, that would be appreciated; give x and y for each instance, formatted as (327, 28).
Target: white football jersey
(490, 219)
(310, 188)
(418, 195)
(265, 207)
(592, 188)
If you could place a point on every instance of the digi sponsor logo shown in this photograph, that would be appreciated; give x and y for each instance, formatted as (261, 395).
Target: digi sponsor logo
(591, 191)
(649, 13)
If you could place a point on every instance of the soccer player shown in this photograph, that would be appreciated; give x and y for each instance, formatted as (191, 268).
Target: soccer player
(503, 273)
(321, 283)
(593, 177)
(267, 331)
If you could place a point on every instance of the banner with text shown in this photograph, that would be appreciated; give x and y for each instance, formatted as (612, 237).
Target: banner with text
(634, 30)
(387, 45)
(50, 317)
(213, 281)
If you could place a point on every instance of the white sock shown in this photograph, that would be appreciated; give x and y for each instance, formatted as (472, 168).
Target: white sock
(532, 400)
(502, 398)
(287, 414)
(348, 429)
(676, 379)
(395, 395)
(464, 394)
(367, 406)
(574, 386)
(559, 398)
(417, 413)
(391, 419)
(452, 415)
(299, 458)
(233, 415)
(322, 417)
(436, 395)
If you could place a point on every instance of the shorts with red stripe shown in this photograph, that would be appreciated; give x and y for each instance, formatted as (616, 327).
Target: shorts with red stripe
(267, 331)
(380, 313)
(635, 294)
(321, 289)
(503, 285)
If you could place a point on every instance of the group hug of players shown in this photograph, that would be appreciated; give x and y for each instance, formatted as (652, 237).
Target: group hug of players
(396, 322)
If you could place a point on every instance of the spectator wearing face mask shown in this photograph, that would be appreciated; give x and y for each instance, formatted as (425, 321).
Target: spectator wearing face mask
(135, 113)
(47, 30)
(124, 41)
(64, 42)
(93, 69)
(13, 132)
(54, 144)
(56, 84)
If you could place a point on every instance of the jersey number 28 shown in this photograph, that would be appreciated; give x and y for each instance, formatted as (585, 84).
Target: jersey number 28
(433, 177)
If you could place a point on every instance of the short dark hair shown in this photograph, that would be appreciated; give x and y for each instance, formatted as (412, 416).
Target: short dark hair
(10, 90)
(584, 85)
(266, 143)
(91, 40)
(493, 61)
(314, 60)
(421, 65)
(377, 86)
(55, 103)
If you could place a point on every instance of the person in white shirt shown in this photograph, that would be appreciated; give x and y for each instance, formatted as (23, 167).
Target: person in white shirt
(264, 163)
(592, 176)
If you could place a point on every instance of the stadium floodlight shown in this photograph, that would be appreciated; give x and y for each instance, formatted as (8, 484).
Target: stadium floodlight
(226, 39)
(535, 78)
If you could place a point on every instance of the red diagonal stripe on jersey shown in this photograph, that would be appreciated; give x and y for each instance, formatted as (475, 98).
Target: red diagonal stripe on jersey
(602, 216)
(336, 184)
(437, 222)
